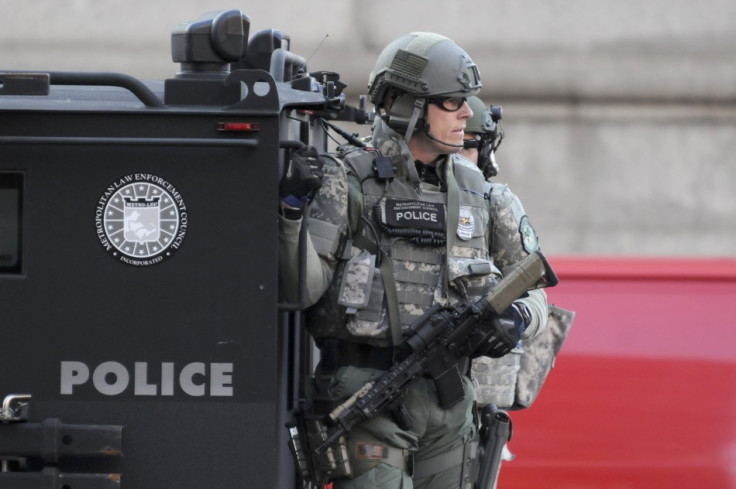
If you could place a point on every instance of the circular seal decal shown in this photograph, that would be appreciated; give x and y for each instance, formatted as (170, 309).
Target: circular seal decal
(141, 219)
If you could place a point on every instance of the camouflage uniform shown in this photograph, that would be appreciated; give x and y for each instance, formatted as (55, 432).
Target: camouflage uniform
(489, 236)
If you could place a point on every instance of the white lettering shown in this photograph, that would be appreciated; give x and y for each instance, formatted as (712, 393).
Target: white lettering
(102, 374)
(417, 216)
(186, 379)
(142, 388)
(111, 378)
(73, 373)
(167, 379)
(221, 379)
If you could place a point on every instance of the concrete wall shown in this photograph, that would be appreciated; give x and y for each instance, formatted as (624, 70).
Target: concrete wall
(620, 116)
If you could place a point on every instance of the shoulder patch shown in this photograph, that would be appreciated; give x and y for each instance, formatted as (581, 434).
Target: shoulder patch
(528, 235)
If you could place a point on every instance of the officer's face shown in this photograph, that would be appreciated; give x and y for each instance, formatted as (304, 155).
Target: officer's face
(446, 132)
(448, 126)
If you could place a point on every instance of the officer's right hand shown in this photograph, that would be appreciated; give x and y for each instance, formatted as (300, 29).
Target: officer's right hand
(303, 177)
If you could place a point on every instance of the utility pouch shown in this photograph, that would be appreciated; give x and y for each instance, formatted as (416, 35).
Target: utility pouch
(515, 380)
(496, 378)
(539, 355)
(357, 282)
(306, 433)
(362, 294)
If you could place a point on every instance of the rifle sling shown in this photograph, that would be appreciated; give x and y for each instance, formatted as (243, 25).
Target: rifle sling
(453, 210)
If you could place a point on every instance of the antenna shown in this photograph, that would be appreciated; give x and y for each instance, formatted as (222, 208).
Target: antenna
(317, 48)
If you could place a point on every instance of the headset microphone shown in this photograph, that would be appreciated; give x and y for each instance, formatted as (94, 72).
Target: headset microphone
(471, 143)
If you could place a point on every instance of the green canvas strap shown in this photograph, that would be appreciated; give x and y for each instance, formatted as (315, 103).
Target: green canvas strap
(453, 211)
(392, 300)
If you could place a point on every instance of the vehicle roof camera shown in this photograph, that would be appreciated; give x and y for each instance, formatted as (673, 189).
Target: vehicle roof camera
(207, 46)
(261, 46)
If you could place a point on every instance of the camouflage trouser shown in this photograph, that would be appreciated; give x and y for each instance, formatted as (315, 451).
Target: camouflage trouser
(435, 432)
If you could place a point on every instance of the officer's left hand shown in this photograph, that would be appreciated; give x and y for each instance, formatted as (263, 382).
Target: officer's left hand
(303, 177)
(507, 329)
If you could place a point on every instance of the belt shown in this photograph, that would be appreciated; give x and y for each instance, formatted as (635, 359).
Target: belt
(336, 353)
(460, 456)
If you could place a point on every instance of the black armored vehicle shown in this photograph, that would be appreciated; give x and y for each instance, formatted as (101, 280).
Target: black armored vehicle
(143, 341)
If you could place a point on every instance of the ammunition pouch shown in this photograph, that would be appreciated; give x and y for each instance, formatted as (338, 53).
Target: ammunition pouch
(306, 433)
(345, 458)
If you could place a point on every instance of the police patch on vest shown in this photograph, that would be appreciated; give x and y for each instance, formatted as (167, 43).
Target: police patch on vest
(466, 223)
(528, 235)
(414, 214)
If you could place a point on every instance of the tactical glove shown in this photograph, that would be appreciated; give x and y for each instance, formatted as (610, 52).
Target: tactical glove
(303, 177)
(503, 332)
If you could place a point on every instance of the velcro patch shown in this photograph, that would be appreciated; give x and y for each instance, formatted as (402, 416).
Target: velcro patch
(369, 451)
(414, 214)
(528, 235)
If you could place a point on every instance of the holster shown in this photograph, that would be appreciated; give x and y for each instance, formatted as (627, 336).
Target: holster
(495, 432)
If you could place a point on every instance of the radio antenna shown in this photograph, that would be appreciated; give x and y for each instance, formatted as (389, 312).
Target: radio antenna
(318, 46)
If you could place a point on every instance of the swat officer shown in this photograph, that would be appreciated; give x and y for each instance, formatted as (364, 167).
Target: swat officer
(483, 136)
(396, 228)
(495, 377)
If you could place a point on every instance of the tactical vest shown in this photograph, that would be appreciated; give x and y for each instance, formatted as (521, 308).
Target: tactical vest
(378, 292)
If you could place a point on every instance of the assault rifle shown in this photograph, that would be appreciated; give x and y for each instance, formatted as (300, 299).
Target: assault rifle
(438, 340)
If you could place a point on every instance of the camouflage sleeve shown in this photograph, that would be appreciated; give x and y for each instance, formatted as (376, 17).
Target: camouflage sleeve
(536, 303)
(512, 238)
(319, 273)
(327, 225)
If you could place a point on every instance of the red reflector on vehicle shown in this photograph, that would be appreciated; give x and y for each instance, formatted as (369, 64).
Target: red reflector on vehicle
(238, 126)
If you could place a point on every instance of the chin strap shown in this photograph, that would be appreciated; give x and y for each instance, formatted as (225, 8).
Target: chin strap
(419, 104)
(418, 110)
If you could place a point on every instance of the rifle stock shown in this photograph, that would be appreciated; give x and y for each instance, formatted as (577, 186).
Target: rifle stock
(533, 272)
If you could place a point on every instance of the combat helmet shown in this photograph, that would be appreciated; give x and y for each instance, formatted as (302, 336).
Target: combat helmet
(417, 67)
(481, 122)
